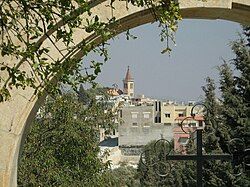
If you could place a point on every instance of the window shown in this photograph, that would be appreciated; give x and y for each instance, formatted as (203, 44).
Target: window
(131, 85)
(134, 115)
(157, 119)
(134, 124)
(120, 113)
(146, 114)
(157, 106)
(192, 124)
(131, 94)
(125, 85)
(183, 140)
(181, 114)
(167, 115)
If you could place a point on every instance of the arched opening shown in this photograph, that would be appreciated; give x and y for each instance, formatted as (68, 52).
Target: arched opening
(17, 114)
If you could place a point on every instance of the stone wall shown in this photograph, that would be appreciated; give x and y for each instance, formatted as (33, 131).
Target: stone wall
(131, 136)
(131, 150)
(138, 127)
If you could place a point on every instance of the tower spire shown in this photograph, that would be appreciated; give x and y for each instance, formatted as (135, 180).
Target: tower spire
(128, 84)
(128, 75)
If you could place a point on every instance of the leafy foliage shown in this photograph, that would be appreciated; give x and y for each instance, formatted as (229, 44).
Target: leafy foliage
(235, 90)
(214, 127)
(26, 25)
(228, 118)
(154, 170)
(124, 176)
(62, 147)
(87, 96)
(215, 141)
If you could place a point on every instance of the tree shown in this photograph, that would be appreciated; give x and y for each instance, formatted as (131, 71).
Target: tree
(212, 117)
(62, 147)
(124, 176)
(246, 30)
(241, 62)
(87, 96)
(227, 117)
(235, 90)
(215, 141)
(232, 102)
(26, 24)
(154, 170)
(230, 116)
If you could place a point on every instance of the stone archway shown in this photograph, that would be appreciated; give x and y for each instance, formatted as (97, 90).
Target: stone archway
(17, 114)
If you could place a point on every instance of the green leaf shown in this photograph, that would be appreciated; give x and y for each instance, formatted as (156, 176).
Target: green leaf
(166, 50)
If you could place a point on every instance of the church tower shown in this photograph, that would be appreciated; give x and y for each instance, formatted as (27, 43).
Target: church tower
(128, 84)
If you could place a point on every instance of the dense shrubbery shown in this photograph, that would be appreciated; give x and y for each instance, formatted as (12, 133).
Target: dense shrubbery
(62, 146)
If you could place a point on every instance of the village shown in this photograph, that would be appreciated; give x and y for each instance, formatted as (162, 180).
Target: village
(141, 120)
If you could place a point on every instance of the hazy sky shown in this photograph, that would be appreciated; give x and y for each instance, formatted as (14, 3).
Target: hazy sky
(200, 47)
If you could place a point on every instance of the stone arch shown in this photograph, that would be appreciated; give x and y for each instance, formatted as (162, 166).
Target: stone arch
(17, 114)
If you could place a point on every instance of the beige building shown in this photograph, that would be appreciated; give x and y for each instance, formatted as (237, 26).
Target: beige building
(140, 124)
(170, 112)
(137, 128)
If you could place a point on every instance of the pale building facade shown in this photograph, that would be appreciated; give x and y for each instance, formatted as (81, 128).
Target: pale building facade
(137, 128)
(170, 112)
(144, 123)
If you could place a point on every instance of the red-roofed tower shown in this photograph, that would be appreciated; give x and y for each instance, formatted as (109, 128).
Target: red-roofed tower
(128, 84)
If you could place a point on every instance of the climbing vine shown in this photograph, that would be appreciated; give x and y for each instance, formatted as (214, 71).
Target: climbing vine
(26, 24)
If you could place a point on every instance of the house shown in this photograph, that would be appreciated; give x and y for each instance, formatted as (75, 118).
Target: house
(137, 128)
(184, 130)
(140, 124)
